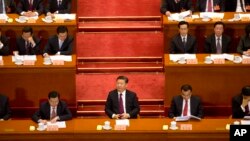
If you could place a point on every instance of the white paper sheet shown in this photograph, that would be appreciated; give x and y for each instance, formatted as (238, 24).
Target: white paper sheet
(60, 124)
(29, 57)
(65, 16)
(244, 16)
(205, 15)
(3, 17)
(245, 57)
(67, 58)
(245, 122)
(186, 118)
(122, 122)
(177, 57)
(1, 57)
(179, 16)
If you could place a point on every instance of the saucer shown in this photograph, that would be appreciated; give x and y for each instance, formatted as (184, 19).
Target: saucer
(208, 62)
(24, 21)
(173, 128)
(237, 62)
(107, 128)
(20, 63)
(39, 129)
(47, 63)
(205, 20)
(181, 62)
(47, 21)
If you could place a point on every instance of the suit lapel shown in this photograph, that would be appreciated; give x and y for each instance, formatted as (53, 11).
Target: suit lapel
(57, 44)
(180, 44)
(116, 102)
(180, 102)
(223, 44)
(213, 44)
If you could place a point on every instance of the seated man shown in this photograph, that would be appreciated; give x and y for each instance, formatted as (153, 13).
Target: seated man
(52, 110)
(60, 44)
(241, 103)
(58, 7)
(4, 49)
(210, 5)
(244, 44)
(185, 104)
(237, 5)
(174, 6)
(218, 42)
(5, 112)
(7, 6)
(30, 8)
(183, 42)
(122, 103)
(28, 44)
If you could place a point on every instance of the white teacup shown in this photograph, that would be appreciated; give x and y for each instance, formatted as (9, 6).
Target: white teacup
(22, 18)
(237, 16)
(41, 126)
(237, 58)
(18, 61)
(107, 124)
(182, 59)
(48, 18)
(173, 124)
(208, 59)
(47, 60)
(15, 53)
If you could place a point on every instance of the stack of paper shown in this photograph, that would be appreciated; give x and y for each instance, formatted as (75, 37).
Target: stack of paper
(122, 122)
(186, 118)
(65, 16)
(177, 57)
(67, 58)
(211, 15)
(179, 16)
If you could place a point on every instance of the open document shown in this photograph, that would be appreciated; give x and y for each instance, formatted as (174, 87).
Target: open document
(186, 118)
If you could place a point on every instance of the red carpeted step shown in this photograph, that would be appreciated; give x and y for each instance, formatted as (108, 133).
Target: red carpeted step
(120, 26)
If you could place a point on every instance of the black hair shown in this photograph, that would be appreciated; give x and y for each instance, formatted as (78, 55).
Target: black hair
(61, 29)
(186, 87)
(245, 91)
(122, 78)
(27, 29)
(182, 23)
(53, 94)
(219, 23)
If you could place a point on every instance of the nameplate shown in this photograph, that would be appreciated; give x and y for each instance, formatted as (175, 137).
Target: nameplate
(2, 21)
(216, 19)
(192, 61)
(188, 19)
(1, 62)
(52, 128)
(31, 20)
(239, 132)
(58, 62)
(219, 61)
(246, 61)
(28, 63)
(120, 127)
(245, 19)
(59, 20)
(186, 127)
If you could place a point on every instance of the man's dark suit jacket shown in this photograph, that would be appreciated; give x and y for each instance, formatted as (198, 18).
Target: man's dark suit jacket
(172, 6)
(244, 44)
(201, 5)
(44, 112)
(176, 45)
(132, 104)
(20, 44)
(52, 47)
(23, 5)
(237, 111)
(52, 6)
(175, 109)
(5, 48)
(5, 111)
(230, 5)
(11, 5)
(210, 44)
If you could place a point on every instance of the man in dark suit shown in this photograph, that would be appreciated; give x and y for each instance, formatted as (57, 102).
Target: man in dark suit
(5, 111)
(169, 6)
(122, 103)
(210, 5)
(27, 44)
(30, 8)
(218, 42)
(241, 103)
(60, 44)
(183, 42)
(52, 110)
(58, 6)
(7, 6)
(237, 5)
(185, 104)
(244, 44)
(4, 49)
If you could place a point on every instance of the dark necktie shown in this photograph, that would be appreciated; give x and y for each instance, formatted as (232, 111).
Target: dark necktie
(30, 5)
(185, 110)
(218, 46)
(184, 41)
(209, 6)
(53, 113)
(27, 47)
(242, 6)
(121, 108)
(247, 110)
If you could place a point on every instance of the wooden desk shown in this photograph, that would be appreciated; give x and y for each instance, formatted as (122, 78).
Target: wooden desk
(201, 30)
(139, 129)
(215, 84)
(40, 29)
(26, 86)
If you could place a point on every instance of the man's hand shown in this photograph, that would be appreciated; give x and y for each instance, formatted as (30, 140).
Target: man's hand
(124, 116)
(168, 13)
(217, 8)
(54, 119)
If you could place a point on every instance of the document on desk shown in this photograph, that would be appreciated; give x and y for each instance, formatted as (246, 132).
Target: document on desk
(186, 118)
(245, 56)
(65, 16)
(176, 57)
(66, 58)
(211, 15)
(60, 124)
(122, 122)
(245, 122)
(3, 17)
(29, 57)
(179, 16)
(1, 58)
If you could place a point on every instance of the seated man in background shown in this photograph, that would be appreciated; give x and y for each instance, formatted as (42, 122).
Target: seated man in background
(185, 104)
(244, 44)
(58, 7)
(218, 42)
(30, 8)
(60, 44)
(7, 6)
(237, 5)
(4, 49)
(175, 6)
(28, 44)
(241, 103)
(210, 5)
(122, 103)
(5, 111)
(183, 42)
(52, 110)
